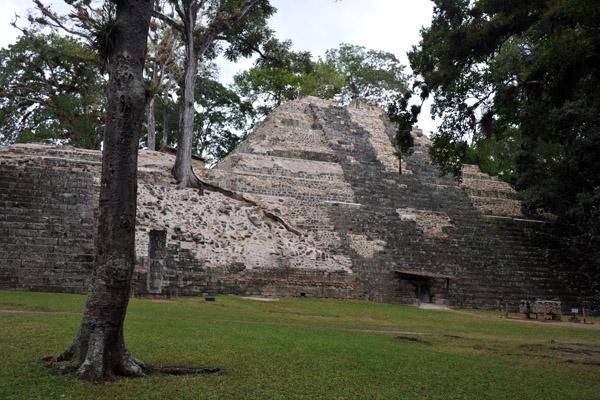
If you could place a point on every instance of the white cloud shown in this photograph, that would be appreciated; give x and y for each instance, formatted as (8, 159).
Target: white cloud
(8, 34)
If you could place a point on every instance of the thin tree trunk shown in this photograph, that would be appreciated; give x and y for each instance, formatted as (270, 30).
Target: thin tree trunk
(151, 125)
(98, 351)
(182, 170)
(165, 137)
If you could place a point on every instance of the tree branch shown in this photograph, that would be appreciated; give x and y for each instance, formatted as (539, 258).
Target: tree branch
(57, 22)
(221, 25)
(168, 21)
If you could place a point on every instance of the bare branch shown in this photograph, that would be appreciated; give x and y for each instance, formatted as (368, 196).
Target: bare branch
(57, 23)
(168, 21)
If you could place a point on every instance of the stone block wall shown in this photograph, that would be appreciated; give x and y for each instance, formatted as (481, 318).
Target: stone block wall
(186, 274)
(417, 221)
(46, 229)
(316, 207)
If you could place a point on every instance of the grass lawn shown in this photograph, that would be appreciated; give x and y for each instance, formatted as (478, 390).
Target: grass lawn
(304, 349)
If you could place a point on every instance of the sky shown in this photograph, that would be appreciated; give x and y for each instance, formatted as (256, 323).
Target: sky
(312, 25)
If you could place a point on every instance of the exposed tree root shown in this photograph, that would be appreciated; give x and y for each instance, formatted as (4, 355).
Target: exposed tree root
(181, 370)
(130, 367)
(96, 364)
(195, 183)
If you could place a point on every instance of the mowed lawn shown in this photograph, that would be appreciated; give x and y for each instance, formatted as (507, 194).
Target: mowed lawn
(304, 349)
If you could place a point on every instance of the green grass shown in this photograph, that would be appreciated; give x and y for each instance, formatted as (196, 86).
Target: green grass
(304, 348)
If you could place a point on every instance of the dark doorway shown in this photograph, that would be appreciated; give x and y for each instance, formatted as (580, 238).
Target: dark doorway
(423, 293)
(420, 284)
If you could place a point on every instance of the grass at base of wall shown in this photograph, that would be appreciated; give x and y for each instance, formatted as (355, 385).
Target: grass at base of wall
(304, 349)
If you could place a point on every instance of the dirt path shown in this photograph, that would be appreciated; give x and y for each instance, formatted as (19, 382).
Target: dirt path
(398, 332)
(36, 312)
(531, 321)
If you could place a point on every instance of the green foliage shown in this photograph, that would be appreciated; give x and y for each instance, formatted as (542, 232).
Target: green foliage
(246, 38)
(521, 81)
(281, 74)
(222, 120)
(267, 87)
(172, 113)
(104, 30)
(345, 74)
(370, 74)
(51, 91)
(324, 80)
(495, 156)
(304, 348)
(404, 119)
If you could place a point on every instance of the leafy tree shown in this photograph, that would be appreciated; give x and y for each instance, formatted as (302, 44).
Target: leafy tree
(280, 74)
(52, 91)
(167, 119)
(267, 87)
(495, 156)
(520, 75)
(221, 121)
(162, 69)
(404, 118)
(345, 74)
(202, 26)
(370, 74)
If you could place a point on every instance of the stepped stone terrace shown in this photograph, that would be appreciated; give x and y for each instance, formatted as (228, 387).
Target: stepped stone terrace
(310, 204)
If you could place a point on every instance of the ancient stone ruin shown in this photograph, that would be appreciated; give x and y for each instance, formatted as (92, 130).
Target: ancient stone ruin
(543, 309)
(310, 204)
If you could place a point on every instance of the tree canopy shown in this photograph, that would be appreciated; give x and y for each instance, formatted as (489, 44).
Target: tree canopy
(347, 73)
(51, 90)
(222, 118)
(374, 75)
(521, 80)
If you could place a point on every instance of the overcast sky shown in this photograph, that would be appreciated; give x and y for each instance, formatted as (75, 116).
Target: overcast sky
(315, 26)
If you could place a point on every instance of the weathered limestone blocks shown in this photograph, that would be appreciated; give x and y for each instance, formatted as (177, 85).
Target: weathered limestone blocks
(317, 209)
(365, 247)
(488, 194)
(372, 121)
(221, 231)
(495, 206)
(289, 131)
(46, 228)
(542, 309)
(431, 222)
(285, 167)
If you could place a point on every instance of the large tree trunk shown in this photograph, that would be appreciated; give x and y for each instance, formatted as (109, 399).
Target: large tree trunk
(98, 351)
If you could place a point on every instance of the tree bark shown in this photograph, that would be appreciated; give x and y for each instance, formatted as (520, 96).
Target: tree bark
(182, 170)
(98, 351)
(165, 137)
(151, 125)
